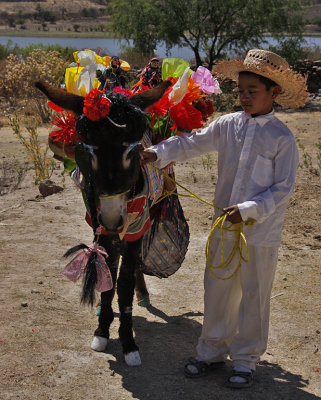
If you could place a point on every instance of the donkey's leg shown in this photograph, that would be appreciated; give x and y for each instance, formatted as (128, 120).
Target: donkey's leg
(106, 315)
(141, 291)
(125, 291)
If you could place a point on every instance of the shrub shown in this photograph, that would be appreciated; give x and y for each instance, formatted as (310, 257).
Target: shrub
(19, 77)
(6, 49)
(42, 164)
(317, 21)
(292, 49)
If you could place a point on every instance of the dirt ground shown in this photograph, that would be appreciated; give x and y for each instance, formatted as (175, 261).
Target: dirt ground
(45, 334)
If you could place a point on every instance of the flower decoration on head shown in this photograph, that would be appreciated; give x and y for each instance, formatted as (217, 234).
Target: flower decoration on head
(96, 105)
(126, 92)
(67, 132)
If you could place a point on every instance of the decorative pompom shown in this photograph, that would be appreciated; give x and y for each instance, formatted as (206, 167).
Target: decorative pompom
(67, 132)
(96, 106)
(121, 90)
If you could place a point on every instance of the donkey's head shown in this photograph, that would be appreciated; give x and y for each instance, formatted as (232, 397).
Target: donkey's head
(110, 146)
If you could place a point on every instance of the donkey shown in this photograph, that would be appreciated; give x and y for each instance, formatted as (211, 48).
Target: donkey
(115, 196)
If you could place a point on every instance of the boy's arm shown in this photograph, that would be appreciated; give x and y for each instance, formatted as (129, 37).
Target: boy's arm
(180, 148)
(264, 204)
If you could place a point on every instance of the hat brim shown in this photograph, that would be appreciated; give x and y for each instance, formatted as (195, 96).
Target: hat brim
(293, 85)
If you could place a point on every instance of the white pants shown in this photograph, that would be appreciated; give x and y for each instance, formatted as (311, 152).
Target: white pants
(236, 311)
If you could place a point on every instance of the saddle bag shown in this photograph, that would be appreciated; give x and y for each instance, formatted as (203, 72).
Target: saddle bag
(165, 244)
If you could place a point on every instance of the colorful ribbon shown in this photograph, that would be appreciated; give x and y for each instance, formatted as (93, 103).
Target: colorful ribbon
(78, 264)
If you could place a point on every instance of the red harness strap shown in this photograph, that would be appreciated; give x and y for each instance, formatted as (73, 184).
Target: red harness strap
(142, 220)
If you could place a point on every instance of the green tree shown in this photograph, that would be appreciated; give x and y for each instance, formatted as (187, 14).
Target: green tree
(212, 27)
(138, 20)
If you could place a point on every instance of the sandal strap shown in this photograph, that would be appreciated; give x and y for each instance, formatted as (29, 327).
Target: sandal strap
(248, 376)
(198, 364)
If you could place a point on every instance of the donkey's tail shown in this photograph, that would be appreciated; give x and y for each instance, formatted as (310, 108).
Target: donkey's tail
(90, 275)
(90, 281)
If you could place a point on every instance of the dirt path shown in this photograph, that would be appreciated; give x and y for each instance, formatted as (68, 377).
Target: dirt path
(45, 334)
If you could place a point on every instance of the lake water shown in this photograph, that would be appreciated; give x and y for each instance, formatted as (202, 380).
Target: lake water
(114, 46)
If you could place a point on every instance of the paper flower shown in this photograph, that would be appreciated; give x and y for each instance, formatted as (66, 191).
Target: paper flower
(205, 107)
(203, 77)
(67, 132)
(126, 92)
(96, 105)
(185, 116)
(179, 89)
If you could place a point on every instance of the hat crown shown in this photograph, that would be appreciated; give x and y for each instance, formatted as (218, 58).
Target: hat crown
(264, 58)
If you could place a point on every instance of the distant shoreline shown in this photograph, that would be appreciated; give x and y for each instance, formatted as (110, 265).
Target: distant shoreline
(25, 33)
(102, 35)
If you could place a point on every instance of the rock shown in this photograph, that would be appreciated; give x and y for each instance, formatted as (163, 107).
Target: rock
(24, 304)
(48, 187)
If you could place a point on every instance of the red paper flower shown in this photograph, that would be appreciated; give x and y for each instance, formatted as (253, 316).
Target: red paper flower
(67, 132)
(186, 116)
(205, 107)
(126, 92)
(96, 106)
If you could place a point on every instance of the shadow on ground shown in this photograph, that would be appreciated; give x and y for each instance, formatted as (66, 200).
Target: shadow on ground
(166, 348)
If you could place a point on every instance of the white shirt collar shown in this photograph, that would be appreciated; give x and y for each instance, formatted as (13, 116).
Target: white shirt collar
(261, 119)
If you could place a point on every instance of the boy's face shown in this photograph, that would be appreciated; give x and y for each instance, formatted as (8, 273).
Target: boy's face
(255, 98)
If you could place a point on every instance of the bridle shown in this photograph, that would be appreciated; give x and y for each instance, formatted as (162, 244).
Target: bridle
(129, 148)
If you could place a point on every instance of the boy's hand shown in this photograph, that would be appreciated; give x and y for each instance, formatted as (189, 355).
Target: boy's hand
(148, 155)
(234, 214)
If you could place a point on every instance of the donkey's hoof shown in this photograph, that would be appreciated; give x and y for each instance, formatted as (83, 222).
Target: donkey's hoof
(143, 301)
(99, 343)
(133, 359)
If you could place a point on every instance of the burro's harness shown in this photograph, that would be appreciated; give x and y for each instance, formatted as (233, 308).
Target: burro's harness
(138, 217)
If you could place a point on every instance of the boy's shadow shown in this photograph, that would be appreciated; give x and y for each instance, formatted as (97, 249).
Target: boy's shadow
(165, 348)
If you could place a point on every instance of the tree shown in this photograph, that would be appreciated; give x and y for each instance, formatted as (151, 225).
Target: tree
(211, 27)
(137, 20)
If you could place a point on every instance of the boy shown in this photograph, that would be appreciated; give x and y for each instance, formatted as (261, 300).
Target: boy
(257, 162)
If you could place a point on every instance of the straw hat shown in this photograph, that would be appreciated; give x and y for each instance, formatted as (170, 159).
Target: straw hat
(262, 62)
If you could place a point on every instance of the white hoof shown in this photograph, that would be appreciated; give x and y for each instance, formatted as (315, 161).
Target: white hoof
(99, 343)
(133, 359)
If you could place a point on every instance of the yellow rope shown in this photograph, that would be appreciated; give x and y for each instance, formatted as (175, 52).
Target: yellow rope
(113, 196)
(240, 240)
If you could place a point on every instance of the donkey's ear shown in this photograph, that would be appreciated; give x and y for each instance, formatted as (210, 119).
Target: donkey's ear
(147, 98)
(68, 101)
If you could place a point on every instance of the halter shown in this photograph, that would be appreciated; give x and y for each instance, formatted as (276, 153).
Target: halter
(112, 196)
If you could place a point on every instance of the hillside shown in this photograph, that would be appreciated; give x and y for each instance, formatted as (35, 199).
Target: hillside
(54, 16)
(83, 16)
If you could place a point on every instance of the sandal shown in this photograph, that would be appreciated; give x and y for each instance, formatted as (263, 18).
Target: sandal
(247, 376)
(202, 367)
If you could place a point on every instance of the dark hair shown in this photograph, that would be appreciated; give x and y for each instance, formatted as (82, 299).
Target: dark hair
(266, 81)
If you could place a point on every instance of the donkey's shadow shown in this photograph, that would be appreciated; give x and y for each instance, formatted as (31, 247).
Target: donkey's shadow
(165, 349)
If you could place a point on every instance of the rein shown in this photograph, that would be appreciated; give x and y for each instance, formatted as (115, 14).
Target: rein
(240, 240)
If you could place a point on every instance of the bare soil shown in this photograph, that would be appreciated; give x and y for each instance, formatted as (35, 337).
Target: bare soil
(45, 334)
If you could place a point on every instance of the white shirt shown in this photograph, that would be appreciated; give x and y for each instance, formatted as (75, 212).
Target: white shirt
(257, 163)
